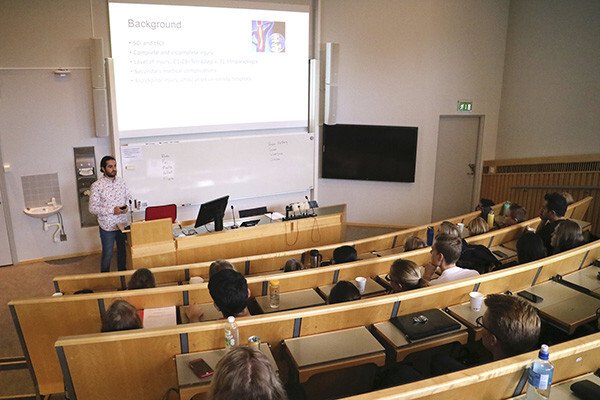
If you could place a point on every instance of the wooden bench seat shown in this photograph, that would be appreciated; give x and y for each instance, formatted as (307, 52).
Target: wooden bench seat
(130, 360)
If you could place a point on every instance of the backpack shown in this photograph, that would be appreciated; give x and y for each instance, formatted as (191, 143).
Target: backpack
(477, 257)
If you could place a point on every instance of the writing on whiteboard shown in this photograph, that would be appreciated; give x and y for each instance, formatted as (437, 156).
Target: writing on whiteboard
(167, 167)
(276, 149)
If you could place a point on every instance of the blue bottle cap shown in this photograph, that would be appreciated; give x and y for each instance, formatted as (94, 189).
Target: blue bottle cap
(544, 352)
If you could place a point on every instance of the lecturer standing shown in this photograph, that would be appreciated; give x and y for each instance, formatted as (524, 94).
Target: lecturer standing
(108, 201)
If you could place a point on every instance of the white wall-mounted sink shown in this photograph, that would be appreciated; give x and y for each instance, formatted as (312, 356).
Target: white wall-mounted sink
(43, 212)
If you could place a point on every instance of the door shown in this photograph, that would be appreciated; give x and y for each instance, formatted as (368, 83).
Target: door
(456, 166)
(5, 257)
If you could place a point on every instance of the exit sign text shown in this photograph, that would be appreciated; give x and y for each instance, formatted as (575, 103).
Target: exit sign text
(465, 106)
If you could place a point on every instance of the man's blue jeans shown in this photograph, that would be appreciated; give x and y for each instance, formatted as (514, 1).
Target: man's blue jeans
(108, 239)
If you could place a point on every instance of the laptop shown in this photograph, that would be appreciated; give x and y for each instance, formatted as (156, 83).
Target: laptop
(425, 324)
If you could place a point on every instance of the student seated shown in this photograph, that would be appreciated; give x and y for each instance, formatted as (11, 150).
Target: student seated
(292, 265)
(445, 251)
(485, 206)
(552, 213)
(405, 275)
(121, 316)
(477, 226)
(142, 278)
(566, 236)
(516, 214)
(448, 228)
(511, 326)
(230, 293)
(530, 247)
(344, 254)
(413, 243)
(343, 291)
(219, 265)
(245, 373)
(568, 198)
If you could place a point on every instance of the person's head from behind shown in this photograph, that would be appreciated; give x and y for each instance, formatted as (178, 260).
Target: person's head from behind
(484, 204)
(516, 214)
(566, 236)
(142, 278)
(344, 254)
(120, 316)
(405, 275)
(343, 291)
(511, 326)
(448, 228)
(229, 291)
(413, 243)
(568, 198)
(478, 226)
(445, 250)
(530, 247)
(245, 373)
(555, 207)
(217, 266)
(292, 265)
(108, 166)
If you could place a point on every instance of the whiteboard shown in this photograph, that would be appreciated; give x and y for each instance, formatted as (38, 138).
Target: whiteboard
(195, 171)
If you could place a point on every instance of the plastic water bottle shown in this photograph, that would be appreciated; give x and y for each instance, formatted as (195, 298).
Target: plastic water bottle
(232, 334)
(490, 219)
(540, 376)
(274, 293)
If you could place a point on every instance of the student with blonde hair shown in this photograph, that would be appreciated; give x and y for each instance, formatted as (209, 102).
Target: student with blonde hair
(219, 265)
(413, 243)
(478, 226)
(448, 228)
(405, 275)
(120, 316)
(245, 373)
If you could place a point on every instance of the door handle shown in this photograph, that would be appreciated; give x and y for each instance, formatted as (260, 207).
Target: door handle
(472, 168)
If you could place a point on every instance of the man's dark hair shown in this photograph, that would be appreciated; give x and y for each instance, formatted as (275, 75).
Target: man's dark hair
(486, 203)
(120, 316)
(519, 212)
(448, 245)
(343, 291)
(530, 247)
(142, 278)
(229, 290)
(105, 161)
(344, 254)
(557, 203)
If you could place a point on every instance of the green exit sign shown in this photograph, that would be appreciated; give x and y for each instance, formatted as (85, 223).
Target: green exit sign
(465, 106)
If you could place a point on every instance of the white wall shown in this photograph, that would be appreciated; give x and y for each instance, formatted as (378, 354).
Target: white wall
(551, 92)
(406, 63)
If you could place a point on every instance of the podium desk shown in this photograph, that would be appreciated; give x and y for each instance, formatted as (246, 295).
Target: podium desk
(372, 288)
(190, 385)
(152, 243)
(403, 347)
(291, 301)
(564, 307)
(329, 351)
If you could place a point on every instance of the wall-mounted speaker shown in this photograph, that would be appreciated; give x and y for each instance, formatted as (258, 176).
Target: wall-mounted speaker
(97, 63)
(331, 82)
(100, 112)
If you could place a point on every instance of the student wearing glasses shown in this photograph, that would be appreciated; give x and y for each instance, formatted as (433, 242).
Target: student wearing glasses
(510, 326)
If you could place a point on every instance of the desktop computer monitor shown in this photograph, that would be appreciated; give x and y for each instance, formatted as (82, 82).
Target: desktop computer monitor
(213, 210)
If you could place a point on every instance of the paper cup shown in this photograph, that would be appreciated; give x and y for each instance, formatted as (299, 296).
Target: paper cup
(196, 279)
(476, 300)
(361, 283)
(57, 294)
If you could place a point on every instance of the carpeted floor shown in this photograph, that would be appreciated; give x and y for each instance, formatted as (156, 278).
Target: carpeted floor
(35, 280)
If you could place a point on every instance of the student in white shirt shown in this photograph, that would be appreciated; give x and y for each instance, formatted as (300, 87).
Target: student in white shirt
(108, 201)
(445, 251)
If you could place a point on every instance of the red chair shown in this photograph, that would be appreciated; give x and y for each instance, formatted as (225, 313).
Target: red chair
(159, 212)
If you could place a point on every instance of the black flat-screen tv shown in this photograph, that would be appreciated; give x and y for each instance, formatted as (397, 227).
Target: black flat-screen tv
(369, 152)
(210, 211)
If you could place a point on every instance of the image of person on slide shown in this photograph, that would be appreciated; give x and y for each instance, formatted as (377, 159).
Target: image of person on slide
(268, 36)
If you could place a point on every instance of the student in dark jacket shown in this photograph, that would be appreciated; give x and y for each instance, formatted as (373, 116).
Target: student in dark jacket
(552, 213)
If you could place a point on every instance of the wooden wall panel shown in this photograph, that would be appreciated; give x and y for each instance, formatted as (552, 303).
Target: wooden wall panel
(525, 181)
